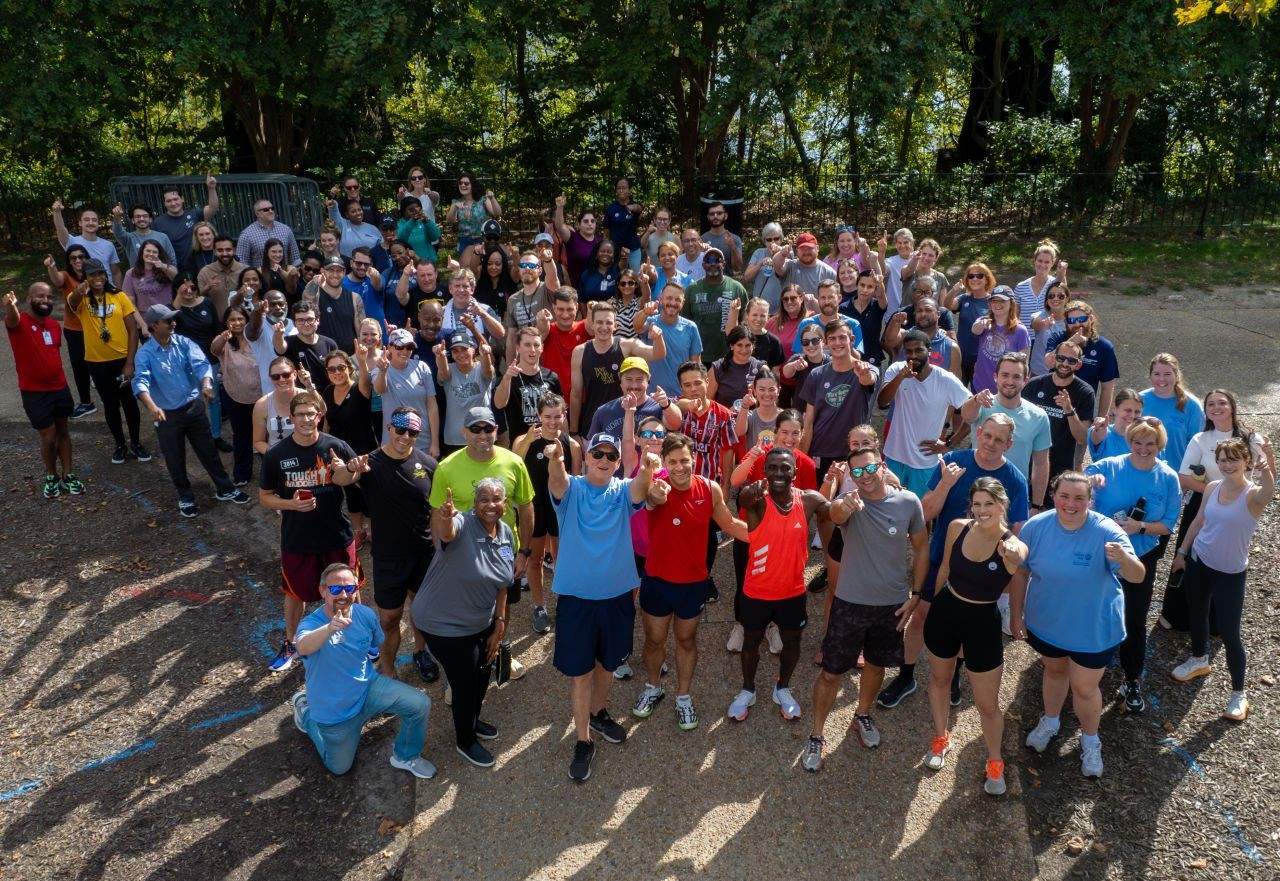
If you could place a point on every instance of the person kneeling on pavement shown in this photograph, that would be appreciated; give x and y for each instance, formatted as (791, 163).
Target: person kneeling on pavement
(343, 687)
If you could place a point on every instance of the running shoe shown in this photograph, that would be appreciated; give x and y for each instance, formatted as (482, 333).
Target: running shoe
(774, 638)
(221, 445)
(995, 778)
(811, 761)
(82, 410)
(548, 561)
(1191, 668)
(484, 730)
(955, 689)
(686, 715)
(140, 452)
(373, 655)
(734, 643)
(647, 700)
(188, 508)
(868, 733)
(604, 725)
(120, 455)
(937, 755)
(580, 768)
(819, 583)
(428, 669)
(741, 705)
(517, 670)
(299, 701)
(787, 703)
(1044, 732)
(1237, 708)
(893, 693)
(237, 496)
(52, 486)
(1132, 692)
(477, 755)
(1091, 759)
(285, 658)
(72, 484)
(541, 620)
(417, 766)
(624, 672)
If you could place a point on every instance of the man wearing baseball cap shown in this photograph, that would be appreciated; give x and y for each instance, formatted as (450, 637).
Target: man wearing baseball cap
(707, 300)
(800, 264)
(172, 379)
(634, 377)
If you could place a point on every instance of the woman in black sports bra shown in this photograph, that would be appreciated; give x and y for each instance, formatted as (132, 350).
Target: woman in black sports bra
(981, 558)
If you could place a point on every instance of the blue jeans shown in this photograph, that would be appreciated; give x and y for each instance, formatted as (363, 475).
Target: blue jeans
(337, 743)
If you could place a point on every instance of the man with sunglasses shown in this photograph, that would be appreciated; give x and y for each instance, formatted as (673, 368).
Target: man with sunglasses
(307, 348)
(719, 237)
(302, 477)
(343, 690)
(253, 238)
(268, 328)
(706, 304)
(1068, 401)
(365, 285)
(533, 296)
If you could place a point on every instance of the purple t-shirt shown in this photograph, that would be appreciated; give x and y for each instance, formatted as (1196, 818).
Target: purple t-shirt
(577, 253)
(991, 346)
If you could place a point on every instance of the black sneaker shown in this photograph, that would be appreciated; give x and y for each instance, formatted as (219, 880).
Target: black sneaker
(819, 583)
(221, 446)
(83, 410)
(484, 730)
(140, 453)
(713, 591)
(602, 723)
(188, 509)
(428, 669)
(477, 755)
(119, 456)
(583, 752)
(895, 691)
(236, 495)
(1133, 700)
(955, 691)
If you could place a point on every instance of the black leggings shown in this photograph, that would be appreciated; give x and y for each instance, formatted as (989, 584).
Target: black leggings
(467, 669)
(1226, 591)
(79, 367)
(115, 398)
(1174, 608)
(1137, 602)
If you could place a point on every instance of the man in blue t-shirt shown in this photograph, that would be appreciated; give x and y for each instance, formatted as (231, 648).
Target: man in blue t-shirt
(596, 614)
(363, 281)
(947, 500)
(344, 689)
(683, 339)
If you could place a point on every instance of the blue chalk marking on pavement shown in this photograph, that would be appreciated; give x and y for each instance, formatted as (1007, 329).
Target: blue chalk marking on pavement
(120, 756)
(1228, 816)
(227, 717)
(18, 791)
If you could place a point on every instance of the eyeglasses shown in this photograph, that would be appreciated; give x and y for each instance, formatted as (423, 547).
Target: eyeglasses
(1067, 359)
(417, 177)
(652, 434)
(811, 341)
(340, 589)
(710, 261)
(482, 428)
(337, 368)
(305, 417)
(601, 454)
(365, 263)
(528, 265)
(304, 319)
(412, 432)
(865, 469)
(976, 275)
(265, 208)
(1078, 319)
(280, 377)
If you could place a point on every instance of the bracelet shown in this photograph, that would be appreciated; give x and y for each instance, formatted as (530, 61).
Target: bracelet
(1181, 552)
(497, 618)
(1068, 413)
(916, 593)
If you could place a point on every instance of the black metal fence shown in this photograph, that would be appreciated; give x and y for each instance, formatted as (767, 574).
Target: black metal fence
(931, 204)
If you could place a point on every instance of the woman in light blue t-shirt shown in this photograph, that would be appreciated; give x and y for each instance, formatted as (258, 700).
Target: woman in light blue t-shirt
(1074, 607)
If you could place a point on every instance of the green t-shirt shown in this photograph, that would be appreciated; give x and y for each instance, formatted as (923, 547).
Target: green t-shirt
(460, 473)
(708, 307)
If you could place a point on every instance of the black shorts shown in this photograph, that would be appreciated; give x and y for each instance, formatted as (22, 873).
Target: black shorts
(789, 614)
(929, 588)
(588, 631)
(394, 578)
(854, 629)
(45, 407)
(1088, 660)
(661, 598)
(953, 625)
(544, 519)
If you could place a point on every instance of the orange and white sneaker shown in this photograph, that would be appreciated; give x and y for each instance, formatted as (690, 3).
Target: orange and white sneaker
(995, 777)
(938, 752)
(1191, 668)
(1237, 708)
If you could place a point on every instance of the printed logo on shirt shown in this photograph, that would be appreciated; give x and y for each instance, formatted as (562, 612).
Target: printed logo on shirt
(1082, 558)
(419, 471)
(305, 477)
(835, 396)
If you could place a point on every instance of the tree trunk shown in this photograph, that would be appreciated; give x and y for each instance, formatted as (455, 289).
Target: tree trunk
(793, 129)
(904, 143)
(279, 142)
(851, 120)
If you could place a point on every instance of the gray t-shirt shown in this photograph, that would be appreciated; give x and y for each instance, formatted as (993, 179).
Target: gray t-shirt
(462, 391)
(460, 591)
(876, 550)
(721, 241)
(766, 284)
(409, 387)
(795, 272)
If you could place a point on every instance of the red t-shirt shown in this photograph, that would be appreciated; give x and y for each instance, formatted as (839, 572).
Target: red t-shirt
(806, 470)
(35, 344)
(557, 352)
(778, 551)
(673, 556)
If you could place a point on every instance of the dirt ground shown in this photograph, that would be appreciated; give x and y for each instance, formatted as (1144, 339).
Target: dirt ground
(145, 739)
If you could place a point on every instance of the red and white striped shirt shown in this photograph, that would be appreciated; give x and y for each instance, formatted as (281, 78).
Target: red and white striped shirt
(712, 434)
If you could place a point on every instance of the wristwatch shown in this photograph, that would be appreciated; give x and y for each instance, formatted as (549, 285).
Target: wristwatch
(525, 552)
(916, 593)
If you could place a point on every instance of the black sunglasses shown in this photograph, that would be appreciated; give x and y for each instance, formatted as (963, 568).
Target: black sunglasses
(601, 454)
(412, 432)
(482, 428)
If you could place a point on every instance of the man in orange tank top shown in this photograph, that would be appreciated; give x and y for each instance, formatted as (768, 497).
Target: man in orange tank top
(773, 590)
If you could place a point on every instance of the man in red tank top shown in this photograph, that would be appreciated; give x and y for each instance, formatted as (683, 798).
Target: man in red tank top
(778, 548)
(674, 584)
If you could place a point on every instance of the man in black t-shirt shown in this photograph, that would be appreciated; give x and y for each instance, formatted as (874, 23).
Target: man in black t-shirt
(524, 383)
(1069, 403)
(397, 485)
(302, 477)
(308, 348)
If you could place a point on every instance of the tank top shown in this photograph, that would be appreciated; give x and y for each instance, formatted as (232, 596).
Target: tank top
(686, 513)
(777, 552)
(278, 427)
(600, 382)
(1223, 541)
(337, 319)
(349, 421)
(978, 581)
(535, 462)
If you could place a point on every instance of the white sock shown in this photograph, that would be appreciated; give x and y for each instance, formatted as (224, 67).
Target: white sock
(1053, 722)
(684, 699)
(1090, 740)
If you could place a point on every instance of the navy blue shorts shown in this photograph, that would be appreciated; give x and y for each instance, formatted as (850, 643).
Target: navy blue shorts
(661, 598)
(588, 631)
(1088, 660)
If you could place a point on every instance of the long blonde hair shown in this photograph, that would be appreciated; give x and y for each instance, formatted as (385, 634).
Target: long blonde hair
(1179, 384)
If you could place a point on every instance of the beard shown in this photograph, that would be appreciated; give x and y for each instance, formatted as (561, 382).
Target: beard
(44, 310)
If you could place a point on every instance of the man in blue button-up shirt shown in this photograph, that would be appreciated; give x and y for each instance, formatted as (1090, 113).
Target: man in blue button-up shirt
(172, 379)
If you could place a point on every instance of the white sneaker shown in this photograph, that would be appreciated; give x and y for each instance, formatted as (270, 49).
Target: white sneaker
(816, 543)
(448, 695)
(647, 700)
(1091, 759)
(734, 643)
(1005, 627)
(774, 638)
(741, 705)
(417, 766)
(624, 671)
(786, 702)
(1044, 732)
(299, 703)
(1237, 708)
(1191, 668)
(517, 670)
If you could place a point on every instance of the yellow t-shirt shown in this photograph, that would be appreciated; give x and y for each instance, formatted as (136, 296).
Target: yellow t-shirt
(113, 309)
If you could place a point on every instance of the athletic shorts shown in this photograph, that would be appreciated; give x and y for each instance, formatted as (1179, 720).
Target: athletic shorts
(394, 578)
(591, 631)
(930, 580)
(954, 625)
(853, 629)
(661, 598)
(44, 407)
(544, 519)
(914, 480)
(1088, 660)
(789, 614)
(300, 573)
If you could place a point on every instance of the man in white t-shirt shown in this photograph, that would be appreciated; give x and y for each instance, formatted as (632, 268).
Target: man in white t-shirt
(903, 242)
(924, 397)
(270, 315)
(1031, 433)
(690, 260)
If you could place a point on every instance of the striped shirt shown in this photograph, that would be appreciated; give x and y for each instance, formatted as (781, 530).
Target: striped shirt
(713, 434)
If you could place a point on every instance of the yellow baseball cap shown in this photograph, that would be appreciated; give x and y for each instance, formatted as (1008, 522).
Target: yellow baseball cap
(634, 363)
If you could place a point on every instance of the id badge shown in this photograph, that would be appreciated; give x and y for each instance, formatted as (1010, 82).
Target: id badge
(48, 337)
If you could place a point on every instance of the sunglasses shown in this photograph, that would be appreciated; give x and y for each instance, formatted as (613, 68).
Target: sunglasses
(412, 432)
(773, 238)
(335, 368)
(351, 187)
(528, 265)
(652, 434)
(972, 275)
(865, 469)
(811, 341)
(1079, 319)
(340, 589)
(626, 284)
(267, 208)
(278, 377)
(601, 454)
(711, 261)
(416, 177)
(482, 428)
(408, 348)
(840, 229)
(1148, 420)
(1056, 297)
(1067, 359)
(365, 263)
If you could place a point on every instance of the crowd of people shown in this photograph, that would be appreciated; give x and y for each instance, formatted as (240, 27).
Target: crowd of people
(598, 412)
